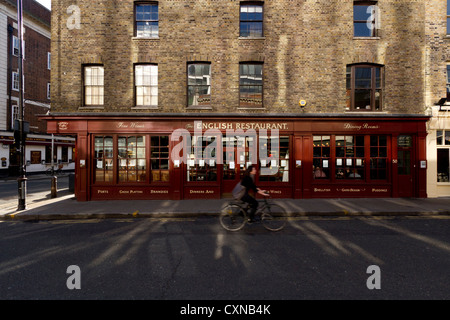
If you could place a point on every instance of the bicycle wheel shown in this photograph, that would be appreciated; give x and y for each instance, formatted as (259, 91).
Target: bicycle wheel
(233, 217)
(274, 217)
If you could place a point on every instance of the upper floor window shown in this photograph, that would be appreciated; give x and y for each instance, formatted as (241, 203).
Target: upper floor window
(251, 85)
(364, 87)
(15, 81)
(49, 55)
(146, 20)
(365, 18)
(199, 84)
(93, 85)
(146, 82)
(448, 82)
(15, 46)
(14, 114)
(251, 19)
(448, 16)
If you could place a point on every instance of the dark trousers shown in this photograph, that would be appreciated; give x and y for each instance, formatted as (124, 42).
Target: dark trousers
(252, 203)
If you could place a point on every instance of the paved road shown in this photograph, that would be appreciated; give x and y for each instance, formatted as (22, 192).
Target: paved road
(314, 258)
(9, 189)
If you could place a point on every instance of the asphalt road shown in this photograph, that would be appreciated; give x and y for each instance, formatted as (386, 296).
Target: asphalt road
(195, 259)
(9, 189)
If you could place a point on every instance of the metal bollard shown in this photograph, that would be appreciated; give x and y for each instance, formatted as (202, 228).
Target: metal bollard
(54, 187)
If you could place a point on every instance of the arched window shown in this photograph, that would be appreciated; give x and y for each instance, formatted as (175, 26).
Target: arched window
(365, 84)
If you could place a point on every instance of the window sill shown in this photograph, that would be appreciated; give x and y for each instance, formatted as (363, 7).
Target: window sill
(144, 108)
(366, 38)
(365, 111)
(145, 38)
(199, 108)
(91, 108)
(251, 108)
(252, 38)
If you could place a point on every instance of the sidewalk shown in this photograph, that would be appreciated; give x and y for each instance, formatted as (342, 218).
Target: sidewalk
(41, 207)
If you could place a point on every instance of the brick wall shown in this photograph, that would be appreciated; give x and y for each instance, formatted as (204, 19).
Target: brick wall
(306, 47)
(35, 68)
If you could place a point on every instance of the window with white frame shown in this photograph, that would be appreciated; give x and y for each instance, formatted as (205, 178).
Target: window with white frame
(49, 60)
(93, 85)
(146, 82)
(15, 81)
(443, 155)
(15, 46)
(48, 90)
(14, 114)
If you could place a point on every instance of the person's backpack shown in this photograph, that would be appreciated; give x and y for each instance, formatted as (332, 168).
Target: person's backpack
(238, 191)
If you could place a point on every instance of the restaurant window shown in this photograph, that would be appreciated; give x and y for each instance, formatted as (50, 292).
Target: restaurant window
(239, 152)
(443, 159)
(349, 157)
(251, 20)
(131, 159)
(201, 164)
(378, 157)
(93, 85)
(199, 84)
(250, 85)
(321, 157)
(365, 18)
(229, 147)
(159, 158)
(279, 166)
(103, 159)
(146, 20)
(364, 87)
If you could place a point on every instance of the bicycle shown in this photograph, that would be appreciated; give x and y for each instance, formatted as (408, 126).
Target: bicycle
(233, 216)
(52, 172)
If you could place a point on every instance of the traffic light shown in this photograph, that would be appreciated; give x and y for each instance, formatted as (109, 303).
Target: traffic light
(26, 130)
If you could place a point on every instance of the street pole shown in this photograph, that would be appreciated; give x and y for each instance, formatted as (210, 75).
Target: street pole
(22, 180)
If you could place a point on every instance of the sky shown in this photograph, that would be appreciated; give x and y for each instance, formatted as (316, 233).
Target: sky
(46, 3)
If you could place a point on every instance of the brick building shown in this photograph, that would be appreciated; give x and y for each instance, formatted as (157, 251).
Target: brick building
(36, 88)
(345, 83)
(437, 98)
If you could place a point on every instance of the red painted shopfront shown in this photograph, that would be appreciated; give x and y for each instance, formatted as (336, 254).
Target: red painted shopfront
(203, 156)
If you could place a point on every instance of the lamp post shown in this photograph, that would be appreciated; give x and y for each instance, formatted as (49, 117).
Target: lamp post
(22, 180)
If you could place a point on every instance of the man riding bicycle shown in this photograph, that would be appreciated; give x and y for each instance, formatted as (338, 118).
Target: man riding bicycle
(248, 181)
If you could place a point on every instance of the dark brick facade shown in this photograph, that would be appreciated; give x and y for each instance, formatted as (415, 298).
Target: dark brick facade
(35, 68)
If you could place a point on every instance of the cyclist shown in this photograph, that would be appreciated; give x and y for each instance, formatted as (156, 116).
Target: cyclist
(248, 181)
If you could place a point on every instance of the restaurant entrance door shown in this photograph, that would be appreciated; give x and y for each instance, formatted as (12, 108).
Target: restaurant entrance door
(405, 154)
